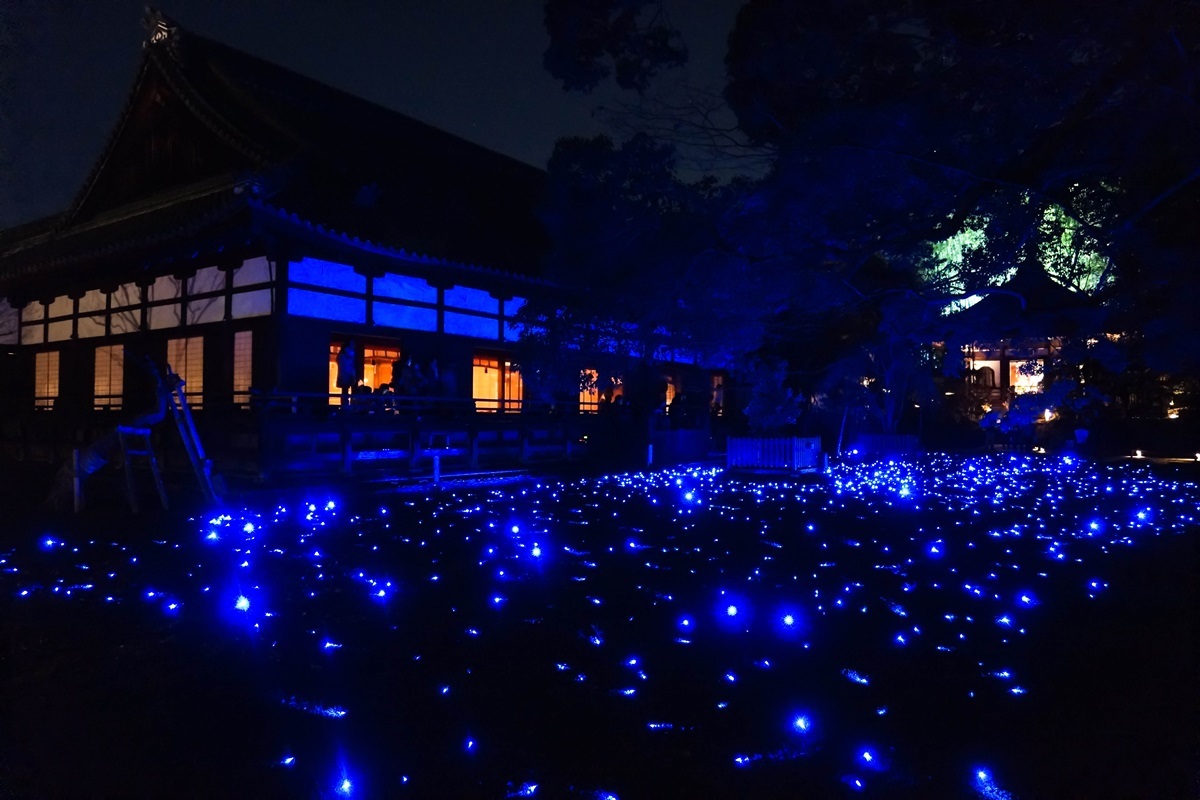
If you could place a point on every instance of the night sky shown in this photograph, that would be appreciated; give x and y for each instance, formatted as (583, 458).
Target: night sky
(471, 67)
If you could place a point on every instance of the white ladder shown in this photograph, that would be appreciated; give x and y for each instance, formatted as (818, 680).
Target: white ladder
(135, 442)
(182, 413)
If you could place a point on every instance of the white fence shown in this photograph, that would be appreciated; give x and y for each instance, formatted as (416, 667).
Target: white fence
(785, 454)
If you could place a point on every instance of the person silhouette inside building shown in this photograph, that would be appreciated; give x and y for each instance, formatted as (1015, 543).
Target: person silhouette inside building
(347, 370)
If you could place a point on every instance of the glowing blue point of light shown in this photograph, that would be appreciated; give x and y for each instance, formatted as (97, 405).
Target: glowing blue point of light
(905, 491)
(856, 677)
(685, 623)
(732, 611)
(536, 551)
(330, 506)
(867, 757)
(288, 761)
(213, 536)
(345, 788)
(243, 603)
(470, 744)
(688, 496)
(248, 527)
(516, 528)
(801, 724)
(789, 620)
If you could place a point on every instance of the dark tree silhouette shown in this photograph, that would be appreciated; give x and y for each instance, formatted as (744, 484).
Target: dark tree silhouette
(1058, 134)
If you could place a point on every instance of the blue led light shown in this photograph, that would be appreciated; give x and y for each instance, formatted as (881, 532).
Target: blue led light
(798, 558)
(856, 677)
(986, 786)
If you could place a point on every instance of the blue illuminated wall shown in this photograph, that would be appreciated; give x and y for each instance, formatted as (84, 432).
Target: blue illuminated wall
(305, 303)
(329, 274)
(470, 299)
(404, 287)
(409, 317)
(471, 325)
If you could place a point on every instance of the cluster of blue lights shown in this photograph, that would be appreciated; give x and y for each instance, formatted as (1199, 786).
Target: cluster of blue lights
(738, 584)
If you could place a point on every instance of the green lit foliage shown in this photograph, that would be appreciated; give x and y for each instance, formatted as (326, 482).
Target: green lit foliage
(946, 270)
(1071, 255)
(950, 142)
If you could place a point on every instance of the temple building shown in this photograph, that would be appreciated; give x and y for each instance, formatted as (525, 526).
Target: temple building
(247, 226)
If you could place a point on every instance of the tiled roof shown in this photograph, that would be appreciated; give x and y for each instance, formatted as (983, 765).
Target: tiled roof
(335, 160)
(54, 253)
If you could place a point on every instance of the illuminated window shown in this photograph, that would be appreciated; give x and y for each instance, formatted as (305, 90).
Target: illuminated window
(243, 366)
(986, 373)
(109, 383)
(185, 357)
(377, 366)
(45, 379)
(616, 388)
(671, 392)
(496, 384)
(589, 392)
(1025, 377)
(377, 369)
(718, 394)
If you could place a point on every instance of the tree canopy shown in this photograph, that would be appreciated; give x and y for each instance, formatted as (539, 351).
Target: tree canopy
(922, 149)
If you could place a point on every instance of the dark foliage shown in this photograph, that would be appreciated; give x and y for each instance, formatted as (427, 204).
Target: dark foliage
(1054, 130)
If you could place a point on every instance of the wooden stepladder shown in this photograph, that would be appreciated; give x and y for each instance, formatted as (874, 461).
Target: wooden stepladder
(182, 414)
(135, 443)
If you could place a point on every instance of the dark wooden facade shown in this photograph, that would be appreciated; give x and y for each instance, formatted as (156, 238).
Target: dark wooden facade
(243, 223)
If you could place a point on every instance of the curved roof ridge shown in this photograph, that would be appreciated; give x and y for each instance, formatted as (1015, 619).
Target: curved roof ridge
(295, 218)
(89, 182)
